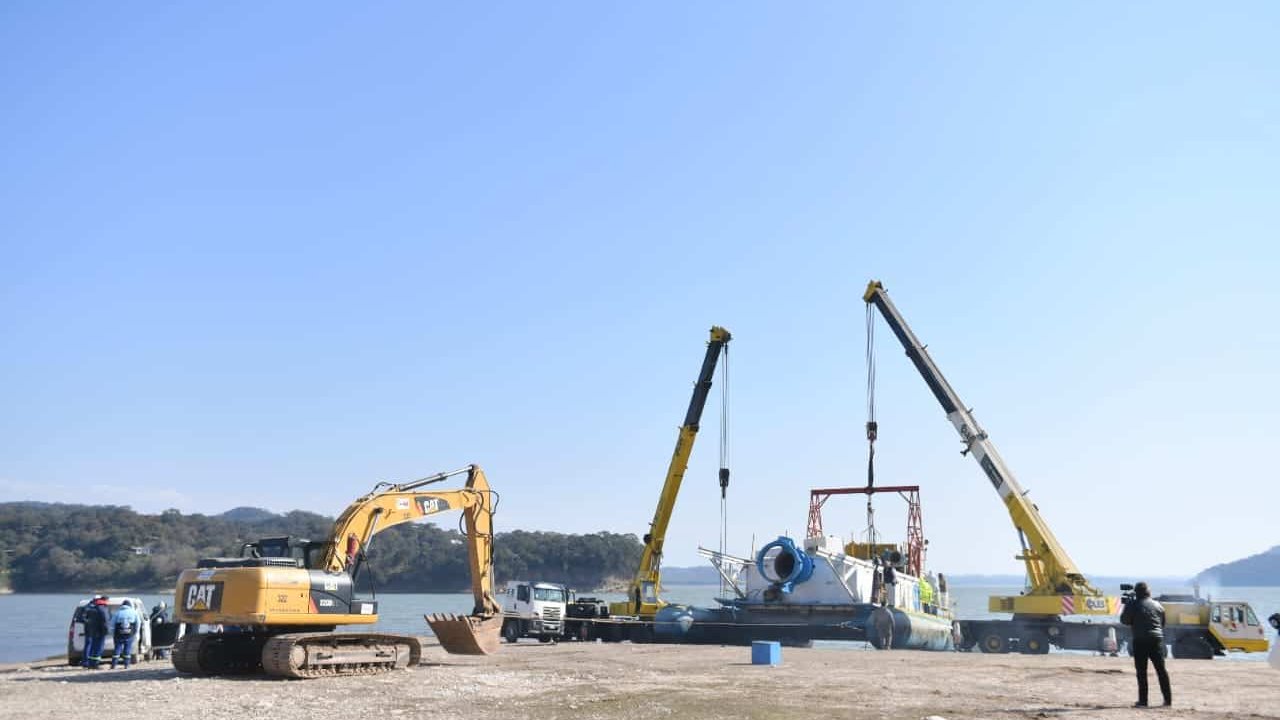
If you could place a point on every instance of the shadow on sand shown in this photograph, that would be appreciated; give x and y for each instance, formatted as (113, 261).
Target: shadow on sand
(106, 675)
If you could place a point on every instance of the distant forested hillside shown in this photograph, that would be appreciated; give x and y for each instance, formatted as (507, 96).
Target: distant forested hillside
(53, 547)
(1262, 569)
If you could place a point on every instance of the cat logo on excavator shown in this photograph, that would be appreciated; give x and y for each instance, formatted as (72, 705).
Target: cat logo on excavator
(430, 505)
(203, 597)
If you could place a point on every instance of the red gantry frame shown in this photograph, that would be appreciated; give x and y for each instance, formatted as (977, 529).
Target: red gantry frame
(915, 524)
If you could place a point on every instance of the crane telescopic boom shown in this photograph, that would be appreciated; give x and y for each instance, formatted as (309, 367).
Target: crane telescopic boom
(1051, 574)
(643, 596)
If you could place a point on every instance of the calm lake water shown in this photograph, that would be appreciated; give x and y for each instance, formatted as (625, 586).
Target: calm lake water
(35, 626)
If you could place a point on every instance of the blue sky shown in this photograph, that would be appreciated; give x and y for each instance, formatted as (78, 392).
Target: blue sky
(269, 255)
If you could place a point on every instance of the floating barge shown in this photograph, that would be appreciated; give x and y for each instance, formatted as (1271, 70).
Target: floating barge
(824, 589)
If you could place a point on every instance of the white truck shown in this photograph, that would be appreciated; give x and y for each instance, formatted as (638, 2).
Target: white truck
(533, 609)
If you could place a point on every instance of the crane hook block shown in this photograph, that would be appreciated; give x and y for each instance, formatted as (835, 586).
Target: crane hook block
(724, 480)
(871, 430)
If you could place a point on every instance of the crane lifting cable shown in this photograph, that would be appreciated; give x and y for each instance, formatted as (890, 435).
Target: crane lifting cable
(872, 427)
(724, 457)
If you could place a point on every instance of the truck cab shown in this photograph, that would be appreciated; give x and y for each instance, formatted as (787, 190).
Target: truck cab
(532, 609)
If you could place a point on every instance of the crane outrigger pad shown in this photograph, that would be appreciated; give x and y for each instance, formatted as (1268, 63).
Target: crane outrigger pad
(466, 634)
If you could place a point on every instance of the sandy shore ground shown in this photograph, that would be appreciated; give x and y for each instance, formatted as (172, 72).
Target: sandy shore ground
(570, 680)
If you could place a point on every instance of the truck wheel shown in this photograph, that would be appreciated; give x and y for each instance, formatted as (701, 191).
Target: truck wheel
(544, 638)
(994, 642)
(1035, 643)
(510, 631)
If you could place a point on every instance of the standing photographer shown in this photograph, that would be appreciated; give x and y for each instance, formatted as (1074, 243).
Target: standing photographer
(1146, 617)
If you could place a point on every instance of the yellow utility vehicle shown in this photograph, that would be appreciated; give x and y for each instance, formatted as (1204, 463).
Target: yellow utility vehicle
(1197, 627)
(274, 609)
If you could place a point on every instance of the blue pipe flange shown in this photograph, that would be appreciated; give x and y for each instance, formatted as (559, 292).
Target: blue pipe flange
(783, 564)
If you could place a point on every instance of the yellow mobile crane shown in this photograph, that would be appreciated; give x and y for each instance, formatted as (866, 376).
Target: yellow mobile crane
(1055, 581)
(277, 604)
(1055, 586)
(643, 596)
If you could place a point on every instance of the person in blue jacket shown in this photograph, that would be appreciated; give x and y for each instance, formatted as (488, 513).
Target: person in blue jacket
(125, 627)
(96, 619)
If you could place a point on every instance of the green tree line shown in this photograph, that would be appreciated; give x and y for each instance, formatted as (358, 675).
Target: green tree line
(61, 548)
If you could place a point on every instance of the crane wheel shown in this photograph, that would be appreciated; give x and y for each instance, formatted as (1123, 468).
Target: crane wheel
(994, 642)
(1034, 643)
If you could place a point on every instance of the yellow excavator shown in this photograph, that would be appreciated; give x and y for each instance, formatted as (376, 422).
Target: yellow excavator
(273, 609)
(643, 599)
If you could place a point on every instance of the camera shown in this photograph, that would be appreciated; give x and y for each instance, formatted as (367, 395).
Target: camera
(1127, 595)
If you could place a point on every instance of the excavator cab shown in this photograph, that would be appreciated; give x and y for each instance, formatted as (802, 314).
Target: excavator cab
(306, 553)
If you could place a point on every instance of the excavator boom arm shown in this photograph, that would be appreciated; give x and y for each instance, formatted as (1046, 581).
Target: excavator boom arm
(391, 505)
(1050, 569)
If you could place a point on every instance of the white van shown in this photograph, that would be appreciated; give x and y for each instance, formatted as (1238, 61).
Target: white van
(75, 634)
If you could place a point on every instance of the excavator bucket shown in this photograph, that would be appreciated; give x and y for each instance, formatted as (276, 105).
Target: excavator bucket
(466, 634)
